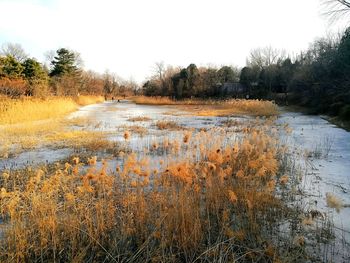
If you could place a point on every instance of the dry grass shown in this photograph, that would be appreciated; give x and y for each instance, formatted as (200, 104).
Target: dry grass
(217, 201)
(334, 202)
(198, 197)
(25, 110)
(28, 122)
(215, 107)
(14, 111)
(55, 133)
(17, 138)
(234, 107)
(154, 100)
(139, 118)
(140, 130)
(83, 100)
(168, 125)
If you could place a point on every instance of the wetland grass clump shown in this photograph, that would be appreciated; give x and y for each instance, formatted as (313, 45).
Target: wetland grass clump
(168, 125)
(26, 110)
(207, 107)
(139, 118)
(28, 122)
(218, 200)
(83, 100)
(33, 109)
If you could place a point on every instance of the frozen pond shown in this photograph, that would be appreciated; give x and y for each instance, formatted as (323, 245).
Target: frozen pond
(114, 118)
(327, 164)
(326, 147)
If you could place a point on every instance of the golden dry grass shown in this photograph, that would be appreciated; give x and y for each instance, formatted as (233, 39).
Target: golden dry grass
(168, 125)
(334, 202)
(88, 99)
(233, 107)
(32, 109)
(134, 129)
(139, 118)
(215, 107)
(25, 110)
(216, 202)
(57, 133)
(25, 123)
(205, 197)
(153, 100)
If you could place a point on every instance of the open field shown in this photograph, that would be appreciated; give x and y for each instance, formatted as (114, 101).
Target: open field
(173, 188)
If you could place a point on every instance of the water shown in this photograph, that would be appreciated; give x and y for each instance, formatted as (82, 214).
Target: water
(327, 148)
(327, 167)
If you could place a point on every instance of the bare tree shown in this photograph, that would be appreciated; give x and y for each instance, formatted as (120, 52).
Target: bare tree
(264, 57)
(49, 56)
(336, 9)
(159, 69)
(132, 86)
(15, 50)
(78, 59)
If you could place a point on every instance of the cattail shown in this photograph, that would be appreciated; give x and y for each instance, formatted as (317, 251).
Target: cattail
(137, 170)
(232, 196)
(166, 143)
(187, 137)
(155, 145)
(211, 166)
(271, 185)
(126, 135)
(145, 182)
(76, 160)
(90, 176)
(284, 179)
(146, 173)
(92, 161)
(240, 173)
(75, 170)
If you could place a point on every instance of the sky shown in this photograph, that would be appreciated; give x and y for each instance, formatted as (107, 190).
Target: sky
(129, 36)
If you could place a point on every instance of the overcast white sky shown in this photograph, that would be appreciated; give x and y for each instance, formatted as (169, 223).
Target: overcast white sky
(129, 36)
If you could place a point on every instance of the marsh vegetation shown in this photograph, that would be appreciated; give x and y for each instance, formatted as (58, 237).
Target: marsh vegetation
(185, 187)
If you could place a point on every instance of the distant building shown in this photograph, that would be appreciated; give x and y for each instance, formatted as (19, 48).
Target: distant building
(233, 89)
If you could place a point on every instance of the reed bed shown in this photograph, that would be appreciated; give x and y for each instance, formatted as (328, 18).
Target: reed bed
(14, 111)
(215, 107)
(83, 100)
(207, 199)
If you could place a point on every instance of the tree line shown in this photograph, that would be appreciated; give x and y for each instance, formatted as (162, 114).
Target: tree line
(63, 76)
(318, 78)
(188, 82)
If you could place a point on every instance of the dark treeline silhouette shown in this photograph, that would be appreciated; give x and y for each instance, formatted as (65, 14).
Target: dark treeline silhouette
(318, 78)
(63, 76)
(189, 82)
